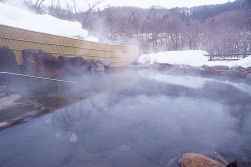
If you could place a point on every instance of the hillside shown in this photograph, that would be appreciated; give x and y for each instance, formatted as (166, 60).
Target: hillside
(204, 12)
(218, 29)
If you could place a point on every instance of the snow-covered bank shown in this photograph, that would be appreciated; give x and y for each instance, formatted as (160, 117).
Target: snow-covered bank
(20, 18)
(191, 57)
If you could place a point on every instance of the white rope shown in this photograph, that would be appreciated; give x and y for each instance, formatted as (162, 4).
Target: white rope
(30, 76)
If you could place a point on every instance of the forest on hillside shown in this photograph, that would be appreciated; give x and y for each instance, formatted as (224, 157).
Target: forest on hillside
(219, 29)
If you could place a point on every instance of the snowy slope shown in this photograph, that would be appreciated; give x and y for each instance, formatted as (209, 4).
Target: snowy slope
(191, 57)
(20, 18)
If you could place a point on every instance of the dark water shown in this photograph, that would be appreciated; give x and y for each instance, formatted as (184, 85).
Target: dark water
(134, 119)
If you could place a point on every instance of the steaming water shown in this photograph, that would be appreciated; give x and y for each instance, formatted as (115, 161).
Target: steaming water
(134, 119)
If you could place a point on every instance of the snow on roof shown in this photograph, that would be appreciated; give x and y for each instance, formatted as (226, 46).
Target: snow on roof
(191, 57)
(21, 18)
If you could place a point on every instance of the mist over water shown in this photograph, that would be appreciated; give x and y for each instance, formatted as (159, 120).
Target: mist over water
(136, 118)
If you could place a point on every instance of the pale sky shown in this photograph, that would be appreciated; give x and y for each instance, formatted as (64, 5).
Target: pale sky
(162, 3)
(82, 5)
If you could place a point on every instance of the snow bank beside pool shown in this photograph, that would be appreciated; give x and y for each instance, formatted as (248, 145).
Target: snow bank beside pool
(20, 18)
(191, 57)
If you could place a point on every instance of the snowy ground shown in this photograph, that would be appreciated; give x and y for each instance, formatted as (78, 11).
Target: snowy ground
(21, 18)
(191, 57)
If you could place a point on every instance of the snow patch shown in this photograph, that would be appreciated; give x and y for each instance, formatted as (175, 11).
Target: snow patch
(195, 58)
(190, 57)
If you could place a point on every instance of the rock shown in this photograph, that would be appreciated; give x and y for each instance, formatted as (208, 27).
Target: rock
(72, 60)
(215, 70)
(232, 73)
(244, 73)
(192, 70)
(4, 124)
(210, 70)
(162, 66)
(38, 107)
(8, 61)
(39, 63)
(73, 138)
(204, 67)
(221, 68)
(77, 65)
(95, 66)
(74, 64)
(197, 160)
(248, 69)
(106, 63)
(25, 117)
(154, 66)
(237, 68)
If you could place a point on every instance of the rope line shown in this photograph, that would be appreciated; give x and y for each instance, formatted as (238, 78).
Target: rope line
(43, 78)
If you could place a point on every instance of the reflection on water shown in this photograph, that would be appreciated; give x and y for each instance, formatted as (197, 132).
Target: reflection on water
(188, 81)
(135, 121)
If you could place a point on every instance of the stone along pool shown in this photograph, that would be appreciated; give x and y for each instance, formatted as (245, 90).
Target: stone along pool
(137, 118)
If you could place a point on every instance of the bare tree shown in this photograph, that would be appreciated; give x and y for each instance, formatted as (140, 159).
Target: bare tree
(38, 6)
(172, 29)
(91, 7)
(75, 6)
(192, 36)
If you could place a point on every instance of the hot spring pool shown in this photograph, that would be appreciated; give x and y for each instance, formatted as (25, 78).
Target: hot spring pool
(136, 119)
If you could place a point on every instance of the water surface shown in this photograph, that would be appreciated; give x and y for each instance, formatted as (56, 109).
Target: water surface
(133, 119)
